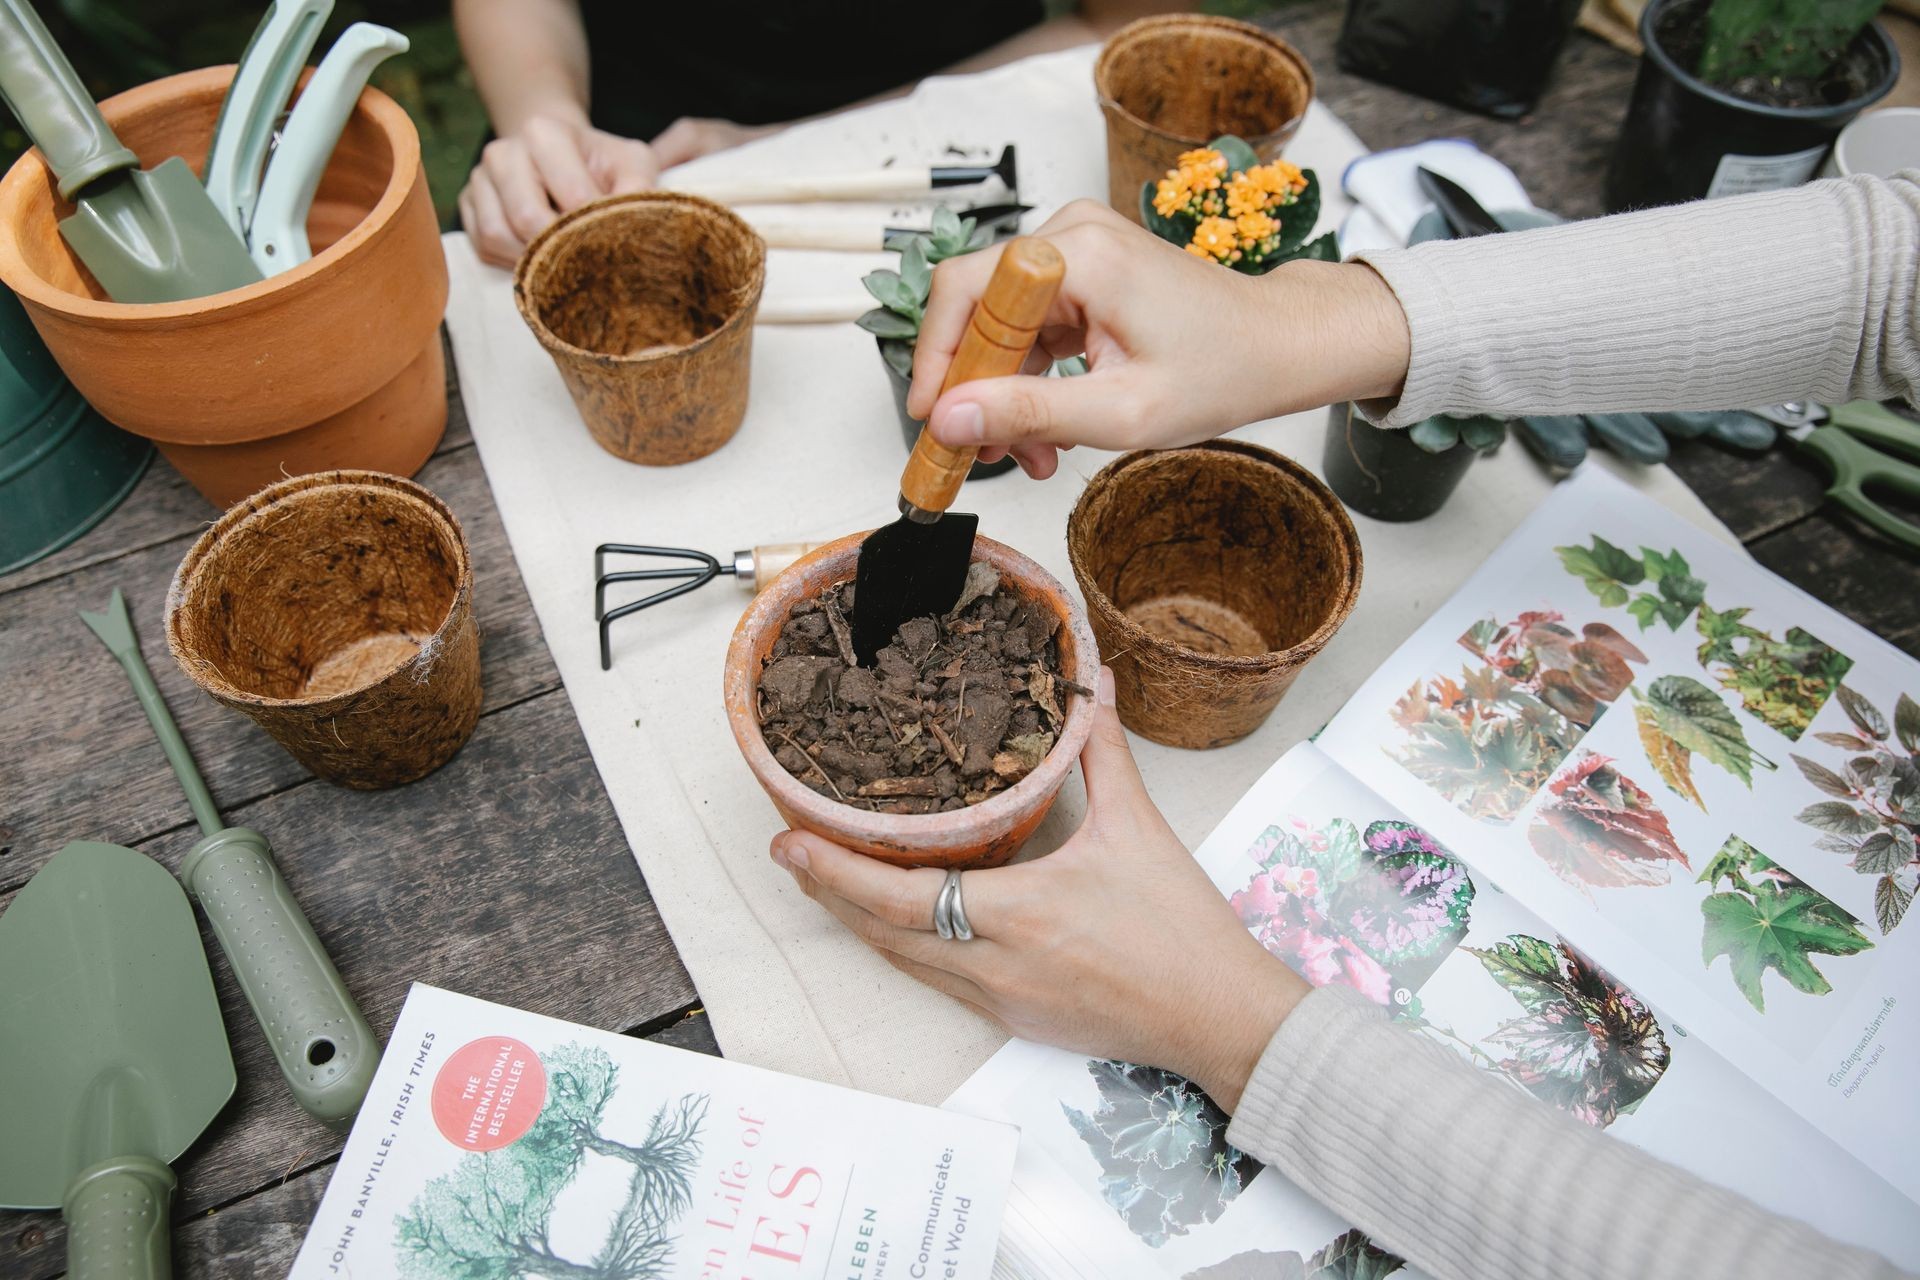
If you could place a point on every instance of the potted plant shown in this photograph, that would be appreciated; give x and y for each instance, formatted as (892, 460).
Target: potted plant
(1220, 202)
(1402, 475)
(1744, 95)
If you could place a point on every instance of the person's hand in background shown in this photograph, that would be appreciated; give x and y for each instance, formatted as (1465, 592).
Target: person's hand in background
(1179, 349)
(691, 137)
(1115, 945)
(555, 162)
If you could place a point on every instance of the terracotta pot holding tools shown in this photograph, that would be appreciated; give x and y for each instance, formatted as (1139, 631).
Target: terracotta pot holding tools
(336, 611)
(1173, 83)
(646, 304)
(1213, 576)
(981, 835)
(334, 363)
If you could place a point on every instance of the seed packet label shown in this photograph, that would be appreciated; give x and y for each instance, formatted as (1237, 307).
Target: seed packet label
(1739, 175)
(501, 1143)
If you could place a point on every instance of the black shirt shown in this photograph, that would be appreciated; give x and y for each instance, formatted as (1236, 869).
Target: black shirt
(761, 63)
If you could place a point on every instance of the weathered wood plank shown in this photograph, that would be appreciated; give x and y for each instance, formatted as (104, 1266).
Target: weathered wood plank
(163, 506)
(1755, 496)
(77, 759)
(504, 875)
(1853, 569)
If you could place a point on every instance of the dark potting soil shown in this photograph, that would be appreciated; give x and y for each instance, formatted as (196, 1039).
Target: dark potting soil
(956, 709)
(1682, 32)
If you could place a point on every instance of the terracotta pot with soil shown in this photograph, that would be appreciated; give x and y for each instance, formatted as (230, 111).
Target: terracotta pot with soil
(646, 304)
(1213, 576)
(336, 611)
(951, 749)
(1172, 83)
(1684, 138)
(336, 363)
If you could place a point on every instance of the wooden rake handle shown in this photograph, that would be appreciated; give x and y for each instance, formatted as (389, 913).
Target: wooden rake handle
(1005, 322)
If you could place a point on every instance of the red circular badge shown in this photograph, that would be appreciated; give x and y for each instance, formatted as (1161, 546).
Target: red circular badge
(489, 1093)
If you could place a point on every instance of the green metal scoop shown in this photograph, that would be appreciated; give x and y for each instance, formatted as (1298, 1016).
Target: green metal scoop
(326, 1051)
(113, 1059)
(147, 235)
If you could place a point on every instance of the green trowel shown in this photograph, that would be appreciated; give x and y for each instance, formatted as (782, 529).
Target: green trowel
(149, 235)
(325, 1049)
(113, 1058)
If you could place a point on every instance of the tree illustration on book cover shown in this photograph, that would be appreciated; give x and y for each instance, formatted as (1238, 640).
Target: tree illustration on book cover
(1348, 1256)
(1679, 718)
(489, 1219)
(1166, 1165)
(1489, 741)
(1874, 817)
(1377, 911)
(1599, 827)
(1767, 918)
(1586, 1044)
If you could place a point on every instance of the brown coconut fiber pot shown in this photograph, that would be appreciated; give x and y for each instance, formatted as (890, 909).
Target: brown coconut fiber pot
(1212, 575)
(336, 611)
(336, 363)
(1172, 83)
(981, 835)
(646, 304)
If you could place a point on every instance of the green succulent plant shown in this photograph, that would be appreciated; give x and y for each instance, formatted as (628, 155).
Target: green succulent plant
(1443, 431)
(902, 294)
(1779, 39)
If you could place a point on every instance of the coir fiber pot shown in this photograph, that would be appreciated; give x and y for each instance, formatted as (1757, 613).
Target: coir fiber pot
(334, 363)
(981, 835)
(910, 425)
(336, 611)
(1684, 139)
(62, 466)
(1381, 472)
(646, 304)
(1212, 575)
(1172, 83)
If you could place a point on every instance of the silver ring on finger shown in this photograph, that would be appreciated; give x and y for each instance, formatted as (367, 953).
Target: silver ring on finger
(950, 912)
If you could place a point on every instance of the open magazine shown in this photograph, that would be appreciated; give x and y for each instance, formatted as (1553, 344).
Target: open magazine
(495, 1142)
(1629, 824)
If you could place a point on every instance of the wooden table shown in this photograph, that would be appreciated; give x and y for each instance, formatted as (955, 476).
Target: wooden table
(505, 874)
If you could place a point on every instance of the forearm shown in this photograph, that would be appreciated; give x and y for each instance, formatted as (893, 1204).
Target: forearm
(1721, 304)
(1470, 1179)
(529, 58)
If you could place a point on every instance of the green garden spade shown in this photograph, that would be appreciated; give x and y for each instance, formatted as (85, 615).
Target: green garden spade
(326, 1051)
(149, 235)
(113, 1058)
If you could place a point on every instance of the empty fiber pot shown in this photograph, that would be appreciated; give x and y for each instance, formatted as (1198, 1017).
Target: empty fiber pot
(646, 304)
(336, 611)
(1212, 575)
(980, 835)
(334, 363)
(1172, 83)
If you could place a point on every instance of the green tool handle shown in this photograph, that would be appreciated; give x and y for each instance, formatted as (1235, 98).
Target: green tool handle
(1852, 447)
(325, 1048)
(55, 109)
(199, 799)
(116, 1213)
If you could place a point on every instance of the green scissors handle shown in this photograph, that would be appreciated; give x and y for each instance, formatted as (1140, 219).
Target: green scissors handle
(1863, 444)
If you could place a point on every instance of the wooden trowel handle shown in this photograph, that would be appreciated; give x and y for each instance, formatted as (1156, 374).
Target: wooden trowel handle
(1005, 322)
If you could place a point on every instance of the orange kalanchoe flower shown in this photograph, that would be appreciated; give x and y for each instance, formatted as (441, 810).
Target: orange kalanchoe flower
(1215, 238)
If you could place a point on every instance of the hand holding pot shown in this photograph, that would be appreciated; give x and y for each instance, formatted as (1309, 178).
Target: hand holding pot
(1178, 349)
(1115, 945)
(551, 165)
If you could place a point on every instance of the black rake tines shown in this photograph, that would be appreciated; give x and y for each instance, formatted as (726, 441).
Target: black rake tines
(685, 577)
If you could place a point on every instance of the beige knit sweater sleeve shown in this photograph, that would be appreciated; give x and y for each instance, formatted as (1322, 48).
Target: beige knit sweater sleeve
(1470, 1179)
(1788, 295)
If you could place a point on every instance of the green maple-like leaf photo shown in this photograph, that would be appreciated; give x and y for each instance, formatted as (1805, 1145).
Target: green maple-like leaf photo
(1769, 919)
(1606, 569)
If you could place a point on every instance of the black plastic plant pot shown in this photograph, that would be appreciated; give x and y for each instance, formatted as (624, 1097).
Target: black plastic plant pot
(1380, 472)
(910, 426)
(1683, 139)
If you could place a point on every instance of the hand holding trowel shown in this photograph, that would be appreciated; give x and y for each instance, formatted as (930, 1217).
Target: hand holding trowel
(917, 566)
(325, 1048)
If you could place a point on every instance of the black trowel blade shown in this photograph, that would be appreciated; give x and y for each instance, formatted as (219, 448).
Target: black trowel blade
(908, 570)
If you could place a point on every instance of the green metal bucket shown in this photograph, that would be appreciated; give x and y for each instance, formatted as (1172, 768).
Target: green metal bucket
(63, 467)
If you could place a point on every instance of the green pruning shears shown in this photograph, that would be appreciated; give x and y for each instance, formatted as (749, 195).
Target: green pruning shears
(1867, 447)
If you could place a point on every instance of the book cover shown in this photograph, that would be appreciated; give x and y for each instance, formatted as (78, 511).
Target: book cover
(500, 1143)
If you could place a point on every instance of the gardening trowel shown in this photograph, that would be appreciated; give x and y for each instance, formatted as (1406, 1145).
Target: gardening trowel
(113, 1058)
(146, 235)
(917, 565)
(325, 1049)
